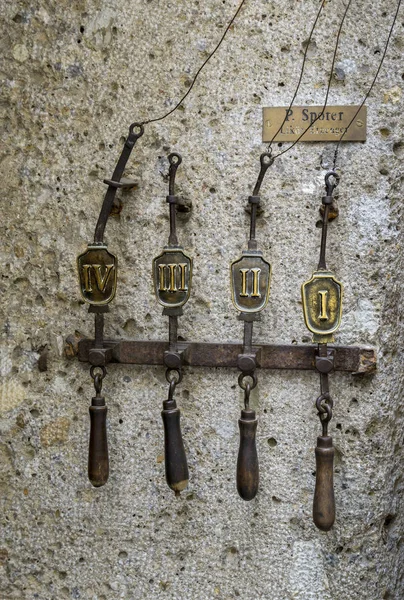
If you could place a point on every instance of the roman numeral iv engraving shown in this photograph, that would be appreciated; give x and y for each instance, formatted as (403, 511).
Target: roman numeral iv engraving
(255, 293)
(100, 278)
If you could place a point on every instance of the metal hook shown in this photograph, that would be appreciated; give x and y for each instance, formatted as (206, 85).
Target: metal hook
(266, 161)
(136, 134)
(247, 396)
(171, 390)
(176, 379)
(243, 384)
(175, 160)
(330, 187)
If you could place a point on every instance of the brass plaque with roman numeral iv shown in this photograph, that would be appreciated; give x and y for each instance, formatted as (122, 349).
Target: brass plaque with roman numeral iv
(97, 269)
(250, 281)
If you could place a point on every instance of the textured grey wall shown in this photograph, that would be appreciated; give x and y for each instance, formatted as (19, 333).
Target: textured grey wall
(75, 75)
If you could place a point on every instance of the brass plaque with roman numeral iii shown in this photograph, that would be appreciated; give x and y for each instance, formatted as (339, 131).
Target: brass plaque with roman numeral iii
(322, 305)
(250, 281)
(97, 274)
(172, 275)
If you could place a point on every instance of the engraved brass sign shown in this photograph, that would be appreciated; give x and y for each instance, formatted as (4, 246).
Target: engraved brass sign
(250, 281)
(172, 275)
(97, 275)
(327, 128)
(322, 305)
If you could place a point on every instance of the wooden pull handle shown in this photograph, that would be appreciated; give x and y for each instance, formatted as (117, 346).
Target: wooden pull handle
(98, 463)
(175, 458)
(247, 462)
(324, 502)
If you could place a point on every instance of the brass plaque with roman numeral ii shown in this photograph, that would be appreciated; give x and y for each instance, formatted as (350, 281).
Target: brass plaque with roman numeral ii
(172, 275)
(322, 305)
(250, 281)
(97, 274)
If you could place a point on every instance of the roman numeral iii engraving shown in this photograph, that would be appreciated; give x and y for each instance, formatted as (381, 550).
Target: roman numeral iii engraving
(168, 279)
(255, 293)
(323, 315)
(172, 273)
(99, 278)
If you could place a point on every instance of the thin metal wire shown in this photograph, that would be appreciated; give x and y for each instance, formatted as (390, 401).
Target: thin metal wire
(328, 86)
(200, 68)
(301, 74)
(372, 84)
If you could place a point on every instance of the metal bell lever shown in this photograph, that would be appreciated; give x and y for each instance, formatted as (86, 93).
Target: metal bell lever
(322, 308)
(172, 276)
(250, 283)
(247, 461)
(97, 269)
(175, 459)
(98, 462)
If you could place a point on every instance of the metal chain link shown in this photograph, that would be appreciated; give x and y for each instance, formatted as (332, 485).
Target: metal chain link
(98, 377)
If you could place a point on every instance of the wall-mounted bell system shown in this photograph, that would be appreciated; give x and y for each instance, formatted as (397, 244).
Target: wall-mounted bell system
(250, 277)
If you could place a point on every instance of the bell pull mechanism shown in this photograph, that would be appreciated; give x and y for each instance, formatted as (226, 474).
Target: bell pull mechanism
(322, 307)
(172, 275)
(250, 283)
(97, 268)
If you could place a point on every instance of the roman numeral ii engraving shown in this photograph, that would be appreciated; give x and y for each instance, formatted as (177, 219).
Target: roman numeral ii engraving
(245, 287)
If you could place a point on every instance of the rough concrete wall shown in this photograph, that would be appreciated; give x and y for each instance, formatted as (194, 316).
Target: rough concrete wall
(75, 75)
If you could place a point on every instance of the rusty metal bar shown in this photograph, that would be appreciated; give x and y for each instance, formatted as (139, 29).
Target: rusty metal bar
(352, 359)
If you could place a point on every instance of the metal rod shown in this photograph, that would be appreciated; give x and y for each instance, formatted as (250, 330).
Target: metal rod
(136, 130)
(248, 336)
(353, 359)
(173, 239)
(322, 263)
(253, 221)
(99, 330)
(173, 331)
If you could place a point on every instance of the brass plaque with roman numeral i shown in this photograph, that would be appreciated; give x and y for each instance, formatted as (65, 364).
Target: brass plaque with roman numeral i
(97, 275)
(322, 305)
(250, 281)
(172, 276)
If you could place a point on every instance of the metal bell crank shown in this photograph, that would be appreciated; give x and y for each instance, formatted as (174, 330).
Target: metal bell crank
(324, 500)
(250, 290)
(172, 272)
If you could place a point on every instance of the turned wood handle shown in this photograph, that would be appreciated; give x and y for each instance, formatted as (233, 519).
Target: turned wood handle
(247, 462)
(175, 457)
(98, 463)
(324, 502)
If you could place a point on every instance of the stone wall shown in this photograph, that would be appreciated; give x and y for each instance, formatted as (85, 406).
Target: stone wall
(76, 74)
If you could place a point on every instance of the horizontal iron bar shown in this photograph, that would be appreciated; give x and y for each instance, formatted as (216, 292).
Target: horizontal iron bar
(352, 359)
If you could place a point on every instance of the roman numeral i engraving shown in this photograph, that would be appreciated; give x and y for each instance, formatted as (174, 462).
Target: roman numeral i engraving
(323, 315)
(168, 280)
(100, 279)
(255, 293)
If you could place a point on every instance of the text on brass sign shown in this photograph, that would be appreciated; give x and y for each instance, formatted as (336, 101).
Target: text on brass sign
(329, 127)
